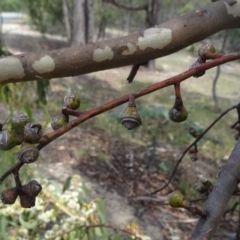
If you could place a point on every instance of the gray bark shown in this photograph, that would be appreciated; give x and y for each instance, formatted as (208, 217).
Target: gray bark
(78, 30)
(89, 21)
(66, 20)
(219, 197)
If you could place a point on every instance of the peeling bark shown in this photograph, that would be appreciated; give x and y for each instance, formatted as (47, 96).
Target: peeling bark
(185, 30)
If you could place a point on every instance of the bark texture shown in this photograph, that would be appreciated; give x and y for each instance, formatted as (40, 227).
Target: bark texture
(219, 197)
(183, 31)
(78, 31)
(66, 20)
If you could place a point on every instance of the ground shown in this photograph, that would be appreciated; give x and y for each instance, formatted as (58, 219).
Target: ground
(117, 166)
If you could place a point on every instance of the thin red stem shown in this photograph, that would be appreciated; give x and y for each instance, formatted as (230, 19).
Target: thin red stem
(83, 116)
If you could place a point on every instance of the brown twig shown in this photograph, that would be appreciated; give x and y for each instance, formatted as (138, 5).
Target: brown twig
(17, 180)
(14, 168)
(193, 144)
(134, 71)
(83, 116)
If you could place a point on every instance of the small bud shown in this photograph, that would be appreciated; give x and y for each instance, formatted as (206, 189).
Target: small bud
(71, 101)
(59, 121)
(32, 132)
(192, 150)
(178, 113)
(204, 185)
(131, 118)
(197, 64)
(27, 201)
(18, 122)
(9, 196)
(192, 131)
(32, 189)
(28, 154)
(194, 157)
(176, 200)
(205, 52)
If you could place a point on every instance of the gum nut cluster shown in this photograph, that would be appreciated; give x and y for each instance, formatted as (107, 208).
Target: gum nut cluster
(70, 101)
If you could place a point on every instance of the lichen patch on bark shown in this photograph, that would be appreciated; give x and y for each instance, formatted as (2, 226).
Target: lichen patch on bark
(100, 54)
(234, 9)
(44, 64)
(156, 38)
(131, 49)
(11, 67)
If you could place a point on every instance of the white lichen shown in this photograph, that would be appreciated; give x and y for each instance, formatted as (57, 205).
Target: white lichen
(11, 67)
(131, 49)
(44, 64)
(156, 38)
(100, 54)
(234, 9)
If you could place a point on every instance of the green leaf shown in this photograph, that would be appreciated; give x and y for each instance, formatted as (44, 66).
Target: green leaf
(66, 184)
(117, 237)
(27, 109)
(71, 235)
(28, 225)
(42, 88)
(3, 232)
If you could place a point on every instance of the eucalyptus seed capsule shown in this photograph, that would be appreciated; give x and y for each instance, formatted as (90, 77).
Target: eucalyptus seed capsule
(59, 121)
(71, 101)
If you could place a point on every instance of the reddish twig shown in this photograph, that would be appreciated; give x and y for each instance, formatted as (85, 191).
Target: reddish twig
(83, 116)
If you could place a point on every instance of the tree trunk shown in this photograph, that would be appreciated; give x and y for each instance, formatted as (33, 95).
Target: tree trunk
(151, 21)
(66, 20)
(152, 13)
(89, 19)
(219, 197)
(78, 29)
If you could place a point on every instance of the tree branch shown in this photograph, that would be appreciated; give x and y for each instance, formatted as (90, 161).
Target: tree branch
(83, 116)
(152, 43)
(219, 197)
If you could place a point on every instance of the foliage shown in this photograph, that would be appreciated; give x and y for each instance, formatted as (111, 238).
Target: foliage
(23, 97)
(10, 5)
(58, 214)
(44, 15)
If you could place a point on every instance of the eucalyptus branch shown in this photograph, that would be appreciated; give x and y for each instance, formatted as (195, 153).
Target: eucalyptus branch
(84, 116)
(155, 42)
